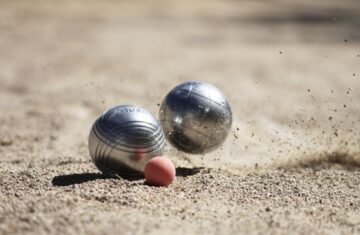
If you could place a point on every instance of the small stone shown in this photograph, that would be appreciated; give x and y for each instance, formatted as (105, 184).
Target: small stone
(6, 142)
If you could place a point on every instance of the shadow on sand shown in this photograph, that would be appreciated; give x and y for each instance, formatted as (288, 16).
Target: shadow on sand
(184, 171)
(71, 179)
(66, 180)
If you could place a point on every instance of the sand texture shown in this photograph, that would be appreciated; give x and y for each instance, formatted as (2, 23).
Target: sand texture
(291, 72)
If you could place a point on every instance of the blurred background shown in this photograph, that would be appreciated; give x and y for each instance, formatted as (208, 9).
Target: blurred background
(289, 68)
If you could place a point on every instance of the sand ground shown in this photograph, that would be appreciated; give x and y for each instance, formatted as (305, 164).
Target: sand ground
(291, 71)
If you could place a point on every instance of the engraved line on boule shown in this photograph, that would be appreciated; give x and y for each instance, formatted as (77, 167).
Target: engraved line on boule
(106, 156)
(154, 137)
(109, 154)
(225, 108)
(118, 131)
(125, 125)
(101, 127)
(135, 133)
(122, 131)
(113, 142)
(98, 157)
(103, 151)
(98, 147)
(151, 124)
(117, 147)
(131, 148)
(96, 150)
(204, 97)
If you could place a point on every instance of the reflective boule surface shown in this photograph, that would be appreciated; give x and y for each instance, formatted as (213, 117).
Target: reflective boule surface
(124, 138)
(196, 117)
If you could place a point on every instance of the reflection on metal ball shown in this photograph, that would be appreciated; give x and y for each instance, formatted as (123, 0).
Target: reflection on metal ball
(123, 139)
(196, 117)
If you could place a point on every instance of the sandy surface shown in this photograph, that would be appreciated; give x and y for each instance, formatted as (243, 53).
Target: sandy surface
(291, 72)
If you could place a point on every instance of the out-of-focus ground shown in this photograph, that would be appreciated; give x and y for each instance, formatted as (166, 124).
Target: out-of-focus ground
(291, 71)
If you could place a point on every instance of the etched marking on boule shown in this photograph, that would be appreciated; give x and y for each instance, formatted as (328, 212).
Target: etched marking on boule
(122, 133)
(196, 117)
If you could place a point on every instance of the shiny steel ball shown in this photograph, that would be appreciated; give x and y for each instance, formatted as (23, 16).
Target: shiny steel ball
(196, 117)
(123, 139)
